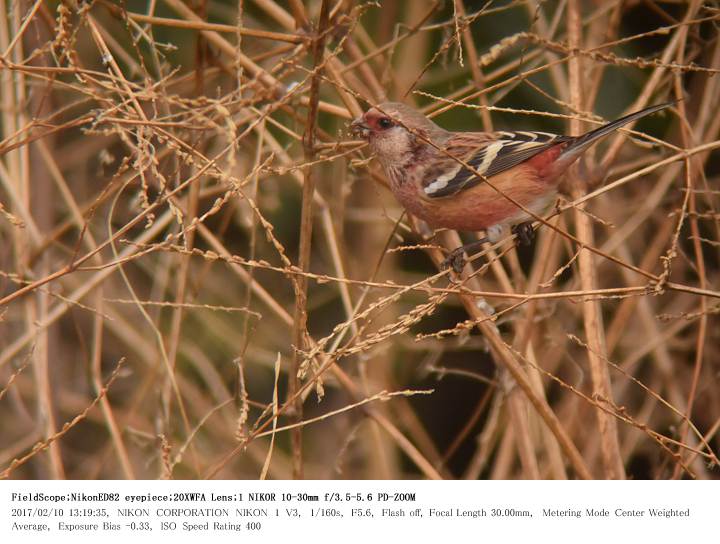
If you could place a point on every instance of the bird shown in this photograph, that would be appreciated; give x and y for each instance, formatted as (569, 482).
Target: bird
(474, 181)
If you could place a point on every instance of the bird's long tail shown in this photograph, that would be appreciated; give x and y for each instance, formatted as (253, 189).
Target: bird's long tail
(581, 143)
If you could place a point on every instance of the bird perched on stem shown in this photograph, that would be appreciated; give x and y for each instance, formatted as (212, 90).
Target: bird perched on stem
(472, 181)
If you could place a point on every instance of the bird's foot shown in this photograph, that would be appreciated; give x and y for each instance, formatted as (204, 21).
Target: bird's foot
(524, 232)
(455, 260)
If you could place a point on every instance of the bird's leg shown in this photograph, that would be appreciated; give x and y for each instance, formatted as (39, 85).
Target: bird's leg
(524, 232)
(456, 258)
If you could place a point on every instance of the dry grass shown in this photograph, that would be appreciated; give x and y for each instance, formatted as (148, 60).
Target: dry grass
(204, 276)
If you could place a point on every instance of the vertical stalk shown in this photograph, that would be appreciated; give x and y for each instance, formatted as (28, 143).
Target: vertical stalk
(306, 224)
(693, 169)
(613, 467)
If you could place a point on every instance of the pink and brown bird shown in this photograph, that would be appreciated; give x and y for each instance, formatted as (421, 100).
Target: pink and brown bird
(473, 181)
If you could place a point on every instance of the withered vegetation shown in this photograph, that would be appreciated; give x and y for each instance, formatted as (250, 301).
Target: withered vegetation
(202, 274)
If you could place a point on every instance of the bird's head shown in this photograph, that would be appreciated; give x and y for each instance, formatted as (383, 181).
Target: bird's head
(392, 128)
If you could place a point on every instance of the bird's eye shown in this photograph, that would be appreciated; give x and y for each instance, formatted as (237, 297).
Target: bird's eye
(385, 123)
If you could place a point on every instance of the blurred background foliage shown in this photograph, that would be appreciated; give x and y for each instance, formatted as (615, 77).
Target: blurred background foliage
(153, 158)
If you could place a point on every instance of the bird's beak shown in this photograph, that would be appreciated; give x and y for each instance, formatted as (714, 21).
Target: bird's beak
(359, 128)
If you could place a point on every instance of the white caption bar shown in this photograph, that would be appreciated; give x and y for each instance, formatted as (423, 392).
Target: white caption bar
(355, 511)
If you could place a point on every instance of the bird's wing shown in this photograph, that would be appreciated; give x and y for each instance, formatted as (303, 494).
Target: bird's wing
(497, 154)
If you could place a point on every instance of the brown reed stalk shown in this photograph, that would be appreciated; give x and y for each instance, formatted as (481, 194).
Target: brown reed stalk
(178, 188)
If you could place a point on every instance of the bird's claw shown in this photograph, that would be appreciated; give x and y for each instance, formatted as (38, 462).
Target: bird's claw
(455, 260)
(524, 233)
